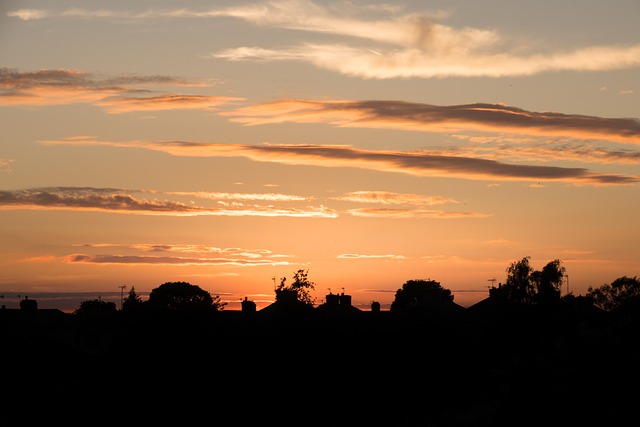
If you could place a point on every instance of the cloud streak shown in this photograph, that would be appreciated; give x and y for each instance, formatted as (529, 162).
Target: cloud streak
(176, 255)
(388, 257)
(418, 163)
(417, 63)
(166, 260)
(389, 198)
(123, 201)
(435, 118)
(120, 94)
(413, 213)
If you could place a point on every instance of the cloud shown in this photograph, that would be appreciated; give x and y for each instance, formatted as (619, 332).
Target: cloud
(274, 197)
(418, 163)
(362, 256)
(179, 255)
(123, 201)
(188, 249)
(435, 118)
(116, 94)
(414, 201)
(28, 14)
(389, 198)
(411, 45)
(542, 150)
(418, 63)
(412, 213)
(383, 42)
(163, 102)
(166, 260)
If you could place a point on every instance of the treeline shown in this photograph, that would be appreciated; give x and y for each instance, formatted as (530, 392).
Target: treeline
(524, 286)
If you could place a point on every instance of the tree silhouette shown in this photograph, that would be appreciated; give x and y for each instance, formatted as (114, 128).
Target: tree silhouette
(623, 290)
(132, 301)
(95, 306)
(421, 294)
(524, 285)
(183, 296)
(298, 290)
(518, 288)
(548, 281)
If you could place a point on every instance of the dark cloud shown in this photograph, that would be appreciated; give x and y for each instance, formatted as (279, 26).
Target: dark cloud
(89, 198)
(419, 163)
(453, 166)
(437, 118)
(13, 79)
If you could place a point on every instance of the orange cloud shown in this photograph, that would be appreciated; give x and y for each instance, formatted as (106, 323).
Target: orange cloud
(387, 198)
(419, 163)
(118, 94)
(166, 260)
(412, 213)
(122, 201)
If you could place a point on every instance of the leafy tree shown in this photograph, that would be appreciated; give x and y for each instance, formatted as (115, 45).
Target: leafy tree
(621, 291)
(524, 285)
(95, 306)
(132, 301)
(299, 290)
(548, 281)
(421, 294)
(183, 296)
(518, 287)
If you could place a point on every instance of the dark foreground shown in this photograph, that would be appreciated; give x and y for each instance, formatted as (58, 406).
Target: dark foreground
(504, 369)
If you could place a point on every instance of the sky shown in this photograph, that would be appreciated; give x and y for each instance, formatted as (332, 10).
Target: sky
(229, 144)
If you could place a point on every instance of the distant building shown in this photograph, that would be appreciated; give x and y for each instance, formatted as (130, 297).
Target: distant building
(28, 304)
(248, 306)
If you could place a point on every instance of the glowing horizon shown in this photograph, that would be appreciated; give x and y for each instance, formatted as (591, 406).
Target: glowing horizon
(230, 144)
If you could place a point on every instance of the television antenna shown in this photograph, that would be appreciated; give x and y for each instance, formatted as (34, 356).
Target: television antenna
(493, 281)
(122, 294)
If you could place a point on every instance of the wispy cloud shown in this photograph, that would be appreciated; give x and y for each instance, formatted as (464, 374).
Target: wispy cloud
(412, 45)
(413, 213)
(176, 255)
(415, 203)
(388, 257)
(273, 197)
(384, 42)
(419, 163)
(186, 249)
(116, 94)
(124, 201)
(435, 118)
(166, 260)
(389, 198)
(540, 149)
(420, 63)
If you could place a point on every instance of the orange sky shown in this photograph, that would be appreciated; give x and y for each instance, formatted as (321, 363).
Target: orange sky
(369, 143)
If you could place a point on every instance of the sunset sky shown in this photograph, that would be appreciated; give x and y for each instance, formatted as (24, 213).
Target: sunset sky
(229, 144)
